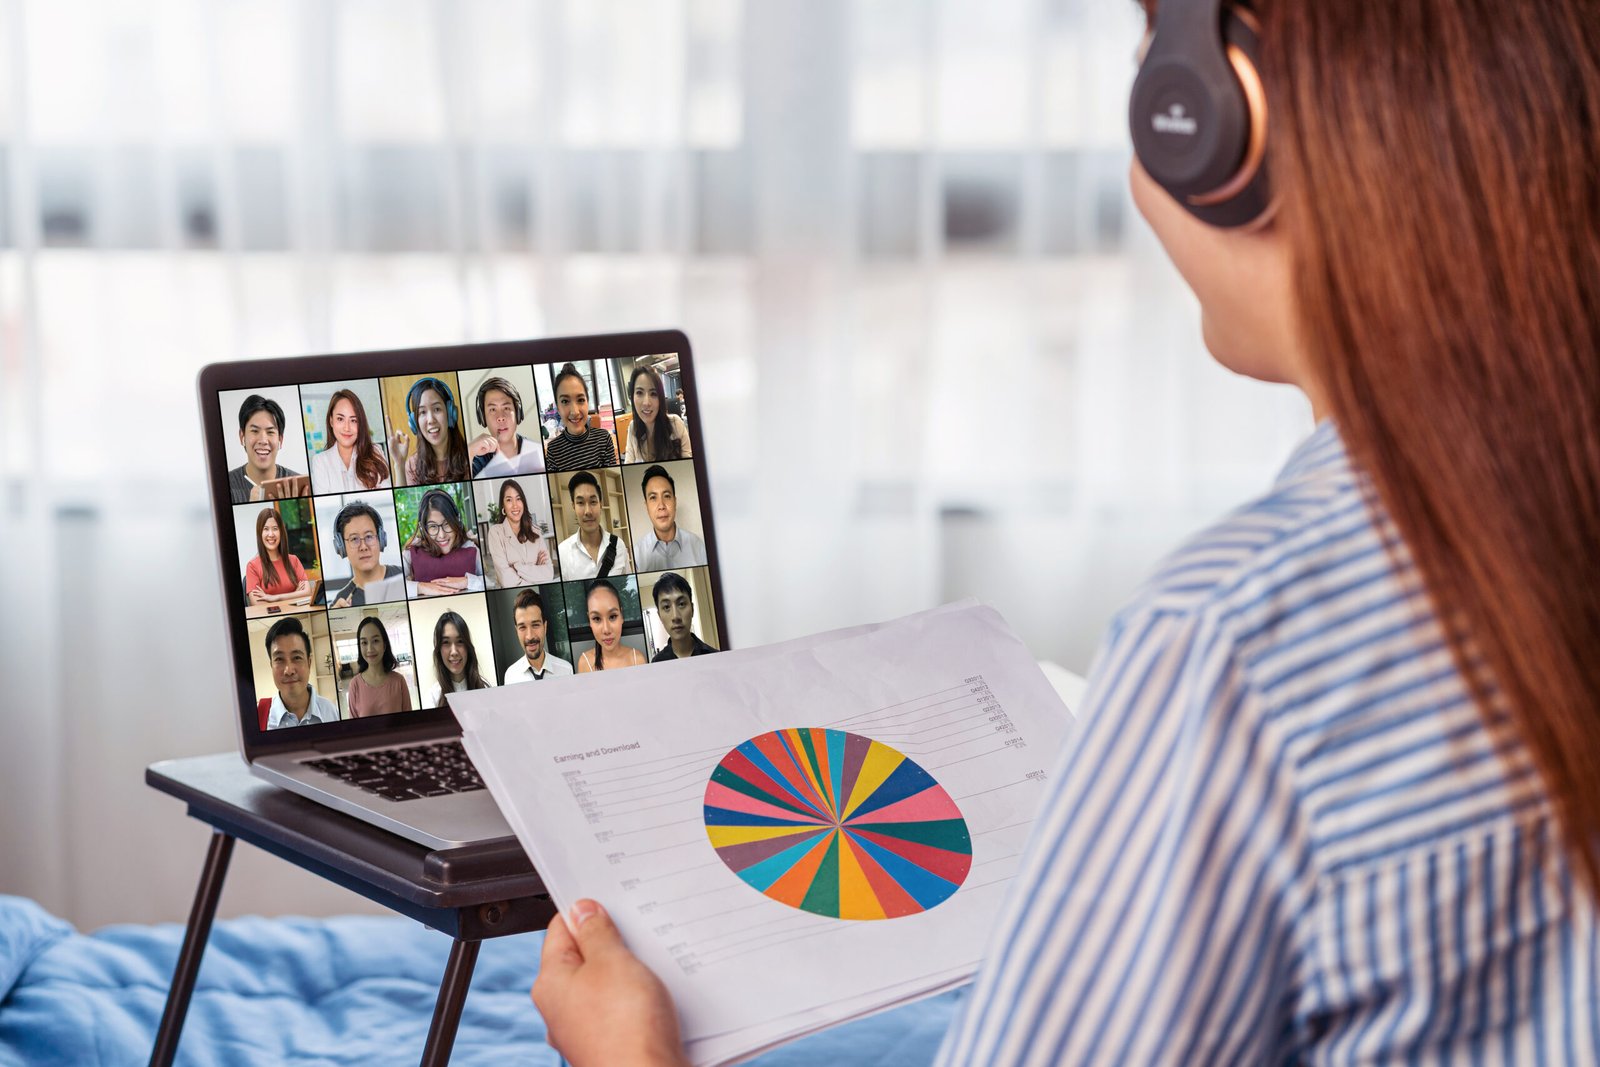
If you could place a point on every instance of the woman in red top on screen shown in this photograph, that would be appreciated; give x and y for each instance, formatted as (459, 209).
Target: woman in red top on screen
(274, 574)
(377, 688)
(442, 562)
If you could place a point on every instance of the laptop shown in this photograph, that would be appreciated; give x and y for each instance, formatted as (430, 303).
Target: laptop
(393, 527)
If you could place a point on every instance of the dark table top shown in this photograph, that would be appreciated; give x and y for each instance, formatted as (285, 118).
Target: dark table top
(483, 890)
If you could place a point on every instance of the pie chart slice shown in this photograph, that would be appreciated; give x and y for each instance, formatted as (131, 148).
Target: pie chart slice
(836, 824)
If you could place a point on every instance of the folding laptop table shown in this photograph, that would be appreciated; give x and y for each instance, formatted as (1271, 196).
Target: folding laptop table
(474, 893)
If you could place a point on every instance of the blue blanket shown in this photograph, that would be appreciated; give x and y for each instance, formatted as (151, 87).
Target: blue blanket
(354, 990)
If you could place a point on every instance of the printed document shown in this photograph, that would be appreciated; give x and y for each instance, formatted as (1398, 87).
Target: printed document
(789, 836)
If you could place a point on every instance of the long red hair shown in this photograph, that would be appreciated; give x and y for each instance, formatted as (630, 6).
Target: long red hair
(1439, 168)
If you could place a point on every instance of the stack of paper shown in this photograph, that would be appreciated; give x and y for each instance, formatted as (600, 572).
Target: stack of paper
(790, 836)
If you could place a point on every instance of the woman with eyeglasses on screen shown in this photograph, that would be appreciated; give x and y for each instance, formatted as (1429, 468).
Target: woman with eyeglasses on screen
(377, 688)
(441, 454)
(516, 546)
(275, 574)
(604, 608)
(442, 559)
(455, 660)
(655, 433)
(351, 462)
(1333, 795)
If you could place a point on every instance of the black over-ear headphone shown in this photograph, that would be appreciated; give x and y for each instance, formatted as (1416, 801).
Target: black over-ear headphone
(1198, 112)
(505, 387)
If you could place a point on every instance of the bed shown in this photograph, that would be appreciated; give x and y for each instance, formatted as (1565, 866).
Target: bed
(352, 990)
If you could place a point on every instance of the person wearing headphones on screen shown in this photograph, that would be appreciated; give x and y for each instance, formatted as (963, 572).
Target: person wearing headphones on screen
(502, 450)
(435, 422)
(1334, 791)
(592, 551)
(295, 703)
(377, 688)
(515, 544)
(358, 535)
(276, 573)
(351, 462)
(577, 446)
(455, 661)
(443, 561)
(261, 433)
(655, 434)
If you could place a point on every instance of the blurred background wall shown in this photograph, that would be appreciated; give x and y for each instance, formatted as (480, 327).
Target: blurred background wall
(940, 355)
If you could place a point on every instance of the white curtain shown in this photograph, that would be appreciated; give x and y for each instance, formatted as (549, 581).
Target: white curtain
(939, 353)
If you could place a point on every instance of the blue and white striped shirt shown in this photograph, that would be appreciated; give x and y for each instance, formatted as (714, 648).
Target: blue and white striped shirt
(1282, 831)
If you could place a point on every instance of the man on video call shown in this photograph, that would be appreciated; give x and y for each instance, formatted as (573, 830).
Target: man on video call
(666, 545)
(261, 434)
(296, 703)
(532, 629)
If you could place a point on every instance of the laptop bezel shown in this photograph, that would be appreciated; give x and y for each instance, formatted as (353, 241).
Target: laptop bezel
(216, 378)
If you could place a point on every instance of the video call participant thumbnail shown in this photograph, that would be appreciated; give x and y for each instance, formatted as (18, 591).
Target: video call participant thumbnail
(655, 433)
(377, 688)
(359, 536)
(261, 433)
(591, 551)
(351, 462)
(455, 660)
(666, 545)
(275, 574)
(515, 544)
(295, 703)
(441, 557)
(604, 609)
(577, 446)
(675, 606)
(502, 450)
(533, 626)
(435, 423)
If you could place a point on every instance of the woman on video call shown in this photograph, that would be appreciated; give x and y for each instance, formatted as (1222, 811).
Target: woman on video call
(1333, 795)
(576, 446)
(655, 434)
(275, 574)
(455, 660)
(605, 621)
(441, 454)
(351, 462)
(442, 560)
(377, 688)
(516, 546)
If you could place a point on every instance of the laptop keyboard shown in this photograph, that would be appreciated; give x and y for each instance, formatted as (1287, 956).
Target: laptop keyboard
(428, 770)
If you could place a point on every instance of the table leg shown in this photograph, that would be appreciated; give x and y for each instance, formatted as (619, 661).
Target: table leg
(447, 1009)
(194, 946)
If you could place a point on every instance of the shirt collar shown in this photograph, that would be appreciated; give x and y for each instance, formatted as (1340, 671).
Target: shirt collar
(281, 715)
(1321, 452)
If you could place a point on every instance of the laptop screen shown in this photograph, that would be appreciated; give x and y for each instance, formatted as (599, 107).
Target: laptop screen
(398, 537)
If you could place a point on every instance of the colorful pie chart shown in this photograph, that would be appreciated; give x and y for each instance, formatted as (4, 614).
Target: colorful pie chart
(837, 824)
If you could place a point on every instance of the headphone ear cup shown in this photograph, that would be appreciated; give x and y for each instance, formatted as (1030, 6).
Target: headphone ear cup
(1198, 113)
(338, 544)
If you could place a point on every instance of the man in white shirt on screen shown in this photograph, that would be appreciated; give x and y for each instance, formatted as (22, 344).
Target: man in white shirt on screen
(591, 552)
(295, 703)
(666, 546)
(532, 627)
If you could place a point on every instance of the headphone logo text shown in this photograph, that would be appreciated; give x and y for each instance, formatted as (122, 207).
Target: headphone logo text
(1175, 121)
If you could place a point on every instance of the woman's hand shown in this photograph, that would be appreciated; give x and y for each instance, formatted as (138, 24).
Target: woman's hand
(399, 451)
(601, 1006)
(258, 595)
